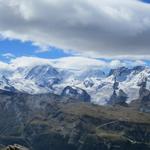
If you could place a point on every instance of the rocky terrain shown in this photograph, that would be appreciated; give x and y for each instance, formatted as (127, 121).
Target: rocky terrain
(14, 147)
(53, 122)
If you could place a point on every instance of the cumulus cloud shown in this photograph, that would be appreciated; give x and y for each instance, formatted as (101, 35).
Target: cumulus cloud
(109, 27)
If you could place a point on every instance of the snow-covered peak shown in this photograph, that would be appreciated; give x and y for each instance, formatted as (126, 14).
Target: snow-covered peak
(36, 75)
(42, 71)
(122, 73)
(30, 62)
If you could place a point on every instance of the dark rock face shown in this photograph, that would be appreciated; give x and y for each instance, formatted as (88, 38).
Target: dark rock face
(51, 122)
(88, 83)
(76, 93)
(144, 97)
(138, 68)
(122, 72)
(113, 99)
(119, 97)
(122, 97)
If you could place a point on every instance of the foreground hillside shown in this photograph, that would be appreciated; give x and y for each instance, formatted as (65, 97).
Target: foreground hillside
(51, 122)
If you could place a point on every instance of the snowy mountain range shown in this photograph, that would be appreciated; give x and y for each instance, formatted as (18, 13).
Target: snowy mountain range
(90, 83)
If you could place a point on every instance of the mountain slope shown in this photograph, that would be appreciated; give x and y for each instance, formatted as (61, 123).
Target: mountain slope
(53, 122)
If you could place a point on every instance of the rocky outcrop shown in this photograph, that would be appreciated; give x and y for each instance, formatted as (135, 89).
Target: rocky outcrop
(122, 72)
(76, 93)
(88, 83)
(15, 147)
(144, 97)
(119, 97)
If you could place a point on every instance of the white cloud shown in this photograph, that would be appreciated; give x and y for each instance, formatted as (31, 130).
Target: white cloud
(96, 54)
(110, 27)
(128, 57)
(4, 66)
(28, 61)
(42, 50)
(73, 63)
(8, 55)
(79, 63)
(116, 64)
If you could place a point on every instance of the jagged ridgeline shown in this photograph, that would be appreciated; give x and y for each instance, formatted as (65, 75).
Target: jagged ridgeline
(53, 122)
(89, 84)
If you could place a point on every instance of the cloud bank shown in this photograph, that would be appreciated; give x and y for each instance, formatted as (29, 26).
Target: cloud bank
(109, 27)
(73, 63)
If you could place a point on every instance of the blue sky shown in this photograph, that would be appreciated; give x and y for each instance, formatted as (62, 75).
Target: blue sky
(147, 1)
(18, 49)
